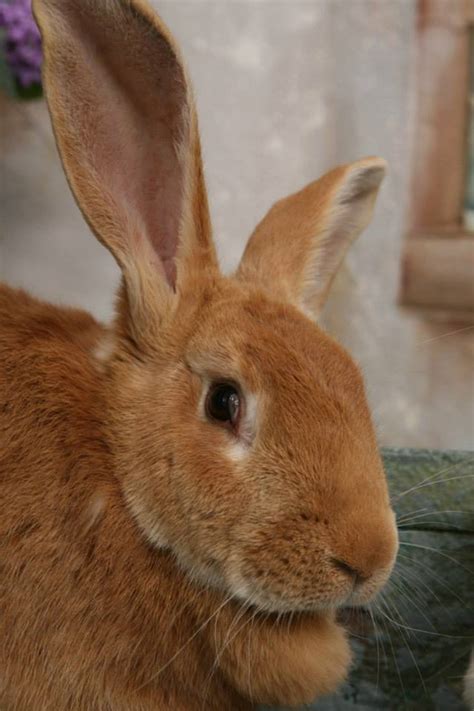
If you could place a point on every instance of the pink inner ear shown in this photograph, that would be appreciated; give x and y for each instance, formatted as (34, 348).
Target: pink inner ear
(127, 105)
(169, 265)
(152, 189)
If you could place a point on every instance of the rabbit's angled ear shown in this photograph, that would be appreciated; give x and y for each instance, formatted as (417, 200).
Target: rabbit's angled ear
(126, 128)
(296, 250)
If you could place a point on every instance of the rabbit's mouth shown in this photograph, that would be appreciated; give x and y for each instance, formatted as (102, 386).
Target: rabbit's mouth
(302, 566)
(336, 587)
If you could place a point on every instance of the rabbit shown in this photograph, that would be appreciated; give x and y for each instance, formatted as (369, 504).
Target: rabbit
(189, 494)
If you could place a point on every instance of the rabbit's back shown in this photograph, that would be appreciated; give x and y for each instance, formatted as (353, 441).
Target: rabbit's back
(27, 322)
(49, 392)
(50, 433)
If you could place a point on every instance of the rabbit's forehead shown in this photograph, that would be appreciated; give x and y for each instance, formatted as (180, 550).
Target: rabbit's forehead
(271, 348)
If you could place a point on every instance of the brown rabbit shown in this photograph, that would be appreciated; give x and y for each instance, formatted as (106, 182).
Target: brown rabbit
(188, 496)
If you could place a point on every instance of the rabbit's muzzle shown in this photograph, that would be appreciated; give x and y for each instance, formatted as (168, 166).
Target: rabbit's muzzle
(309, 563)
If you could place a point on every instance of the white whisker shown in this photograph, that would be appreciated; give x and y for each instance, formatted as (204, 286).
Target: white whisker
(445, 335)
(408, 518)
(378, 651)
(434, 483)
(439, 580)
(405, 637)
(188, 641)
(434, 550)
(431, 477)
(422, 631)
(377, 607)
(418, 581)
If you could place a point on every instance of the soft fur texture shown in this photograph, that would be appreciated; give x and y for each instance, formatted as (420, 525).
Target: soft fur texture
(151, 558)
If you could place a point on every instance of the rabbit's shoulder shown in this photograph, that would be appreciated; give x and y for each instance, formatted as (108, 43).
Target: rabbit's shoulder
(50, 383)
(27, 322)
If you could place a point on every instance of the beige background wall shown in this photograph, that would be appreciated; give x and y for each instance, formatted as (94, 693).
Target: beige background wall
(286, 90)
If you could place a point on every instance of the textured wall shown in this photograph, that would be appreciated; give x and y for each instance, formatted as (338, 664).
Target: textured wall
(286, 90)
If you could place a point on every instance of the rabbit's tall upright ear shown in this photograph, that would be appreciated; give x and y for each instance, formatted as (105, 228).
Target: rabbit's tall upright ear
(296, 250)
(126, 128)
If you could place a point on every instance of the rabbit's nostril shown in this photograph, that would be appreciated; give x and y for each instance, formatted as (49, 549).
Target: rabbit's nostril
(349, 570)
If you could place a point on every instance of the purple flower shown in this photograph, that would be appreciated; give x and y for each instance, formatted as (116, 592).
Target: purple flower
(22, 41)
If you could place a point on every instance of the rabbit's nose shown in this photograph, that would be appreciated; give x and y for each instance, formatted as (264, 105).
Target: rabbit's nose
(349, 570)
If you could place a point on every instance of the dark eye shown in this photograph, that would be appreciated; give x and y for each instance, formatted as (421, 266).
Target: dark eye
(223, 403)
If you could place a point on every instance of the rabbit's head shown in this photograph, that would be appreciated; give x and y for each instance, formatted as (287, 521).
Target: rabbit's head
(241, 431)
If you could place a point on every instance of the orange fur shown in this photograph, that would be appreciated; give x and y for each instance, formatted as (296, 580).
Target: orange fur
(151, 558)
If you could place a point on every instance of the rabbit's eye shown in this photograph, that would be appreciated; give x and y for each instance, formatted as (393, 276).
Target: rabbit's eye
(223, 403)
